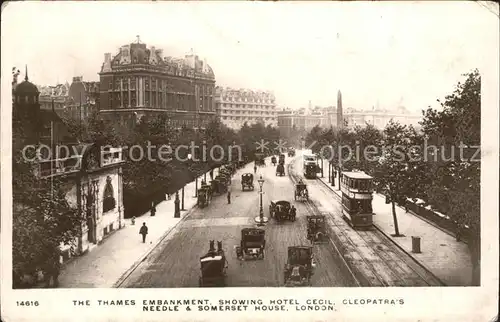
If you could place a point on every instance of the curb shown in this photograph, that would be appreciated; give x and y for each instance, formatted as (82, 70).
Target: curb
(400, 247)
(410, 255)
(134, 266)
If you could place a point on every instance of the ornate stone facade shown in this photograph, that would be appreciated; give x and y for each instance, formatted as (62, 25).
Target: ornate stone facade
(139, 82)
(237, 106)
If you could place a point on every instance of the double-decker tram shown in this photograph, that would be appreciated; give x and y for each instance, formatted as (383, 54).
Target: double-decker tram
(310, 166)
(357, 195)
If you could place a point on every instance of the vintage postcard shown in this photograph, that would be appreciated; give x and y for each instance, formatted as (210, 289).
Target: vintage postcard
(249, 161)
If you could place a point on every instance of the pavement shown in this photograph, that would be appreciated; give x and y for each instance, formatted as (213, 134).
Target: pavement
(441, 254)
(106, 263)
(176, 260)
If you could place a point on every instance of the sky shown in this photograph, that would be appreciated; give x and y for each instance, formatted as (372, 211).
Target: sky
(376, 54)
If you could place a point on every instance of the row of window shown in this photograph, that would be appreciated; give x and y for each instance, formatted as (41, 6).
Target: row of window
(359, 184)
(247, 112)
(181, 102)
(266, 107)
(363, 206)
(238, 118)
(245, 99)
(156, 84)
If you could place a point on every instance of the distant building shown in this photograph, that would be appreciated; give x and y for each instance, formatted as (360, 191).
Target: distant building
(140, 82)
(76, 101)
(237, 106)
(92, 179)
(337, 117)
(380, 117)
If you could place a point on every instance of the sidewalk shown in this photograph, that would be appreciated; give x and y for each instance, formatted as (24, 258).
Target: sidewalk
(106, 263)
(441, 254)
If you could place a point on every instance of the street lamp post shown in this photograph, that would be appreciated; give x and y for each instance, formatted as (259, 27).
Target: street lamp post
(177, 213)
(261, 220)
(182, 207)
(193, 170)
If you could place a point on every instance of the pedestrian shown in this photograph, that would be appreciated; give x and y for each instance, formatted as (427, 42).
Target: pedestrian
(143, 231)
(153, 209)
(169, 196)
(255, 168)
(133, 221)
(228, 197)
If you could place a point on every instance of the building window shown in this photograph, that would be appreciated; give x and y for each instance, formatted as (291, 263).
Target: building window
(108, 202)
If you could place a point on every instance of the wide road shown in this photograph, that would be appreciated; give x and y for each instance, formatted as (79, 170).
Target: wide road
(175, 262)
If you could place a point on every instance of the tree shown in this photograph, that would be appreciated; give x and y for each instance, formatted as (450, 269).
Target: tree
(455, 184)
(367, 142)
(396, 174)
(42, 221)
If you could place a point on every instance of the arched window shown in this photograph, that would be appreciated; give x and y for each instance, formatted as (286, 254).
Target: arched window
(108, 202)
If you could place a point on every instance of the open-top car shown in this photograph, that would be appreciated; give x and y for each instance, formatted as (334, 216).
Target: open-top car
(280, 170)
(252, 243)
(204, 196)
(300, 266)
(282, 210)
(316, 229)
(213, 266)
(301, 192)
(247, 181)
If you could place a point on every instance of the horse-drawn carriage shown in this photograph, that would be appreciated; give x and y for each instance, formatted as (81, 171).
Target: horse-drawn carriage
(301, 192)
(247, 181)
(204, 196)
(280, 170)
(282, 159)
(316, 229)
(300, 266)
(282, 210)
(219, 184)
(260, 159)
(213, 266)
(252, 243)
(273, 160)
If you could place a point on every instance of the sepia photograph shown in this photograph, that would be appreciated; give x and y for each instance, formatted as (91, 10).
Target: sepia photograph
(293, 145)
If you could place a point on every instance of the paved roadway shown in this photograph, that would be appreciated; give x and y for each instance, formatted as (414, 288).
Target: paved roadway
(175, 262)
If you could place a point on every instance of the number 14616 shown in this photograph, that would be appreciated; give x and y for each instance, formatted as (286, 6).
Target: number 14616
(27, 303)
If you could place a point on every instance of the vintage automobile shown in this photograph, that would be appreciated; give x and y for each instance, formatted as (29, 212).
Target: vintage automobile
(273, 160)
(252, 244)
(282, 159)
(204, 196)
(281, 210)
(213, 267)
(247, 181)
(316, 229)
(301, 192)
(280, 170)
(300, 266)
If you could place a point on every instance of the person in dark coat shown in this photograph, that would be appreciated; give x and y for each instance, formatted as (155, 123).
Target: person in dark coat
(143, 231)
(228, 196)
(153, 208)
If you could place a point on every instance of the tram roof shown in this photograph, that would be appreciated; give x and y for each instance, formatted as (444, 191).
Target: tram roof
(357, 175)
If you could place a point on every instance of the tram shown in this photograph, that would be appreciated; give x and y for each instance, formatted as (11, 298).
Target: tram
(310, 166)
(357, 195)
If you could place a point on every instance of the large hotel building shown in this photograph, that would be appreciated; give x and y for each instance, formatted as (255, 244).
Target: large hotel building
(140, 82)
(237, 106)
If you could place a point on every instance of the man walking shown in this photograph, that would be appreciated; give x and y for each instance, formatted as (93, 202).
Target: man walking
(143, 231)
(228, 197)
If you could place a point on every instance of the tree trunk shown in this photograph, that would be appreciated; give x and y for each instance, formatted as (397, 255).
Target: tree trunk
(396, 227)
